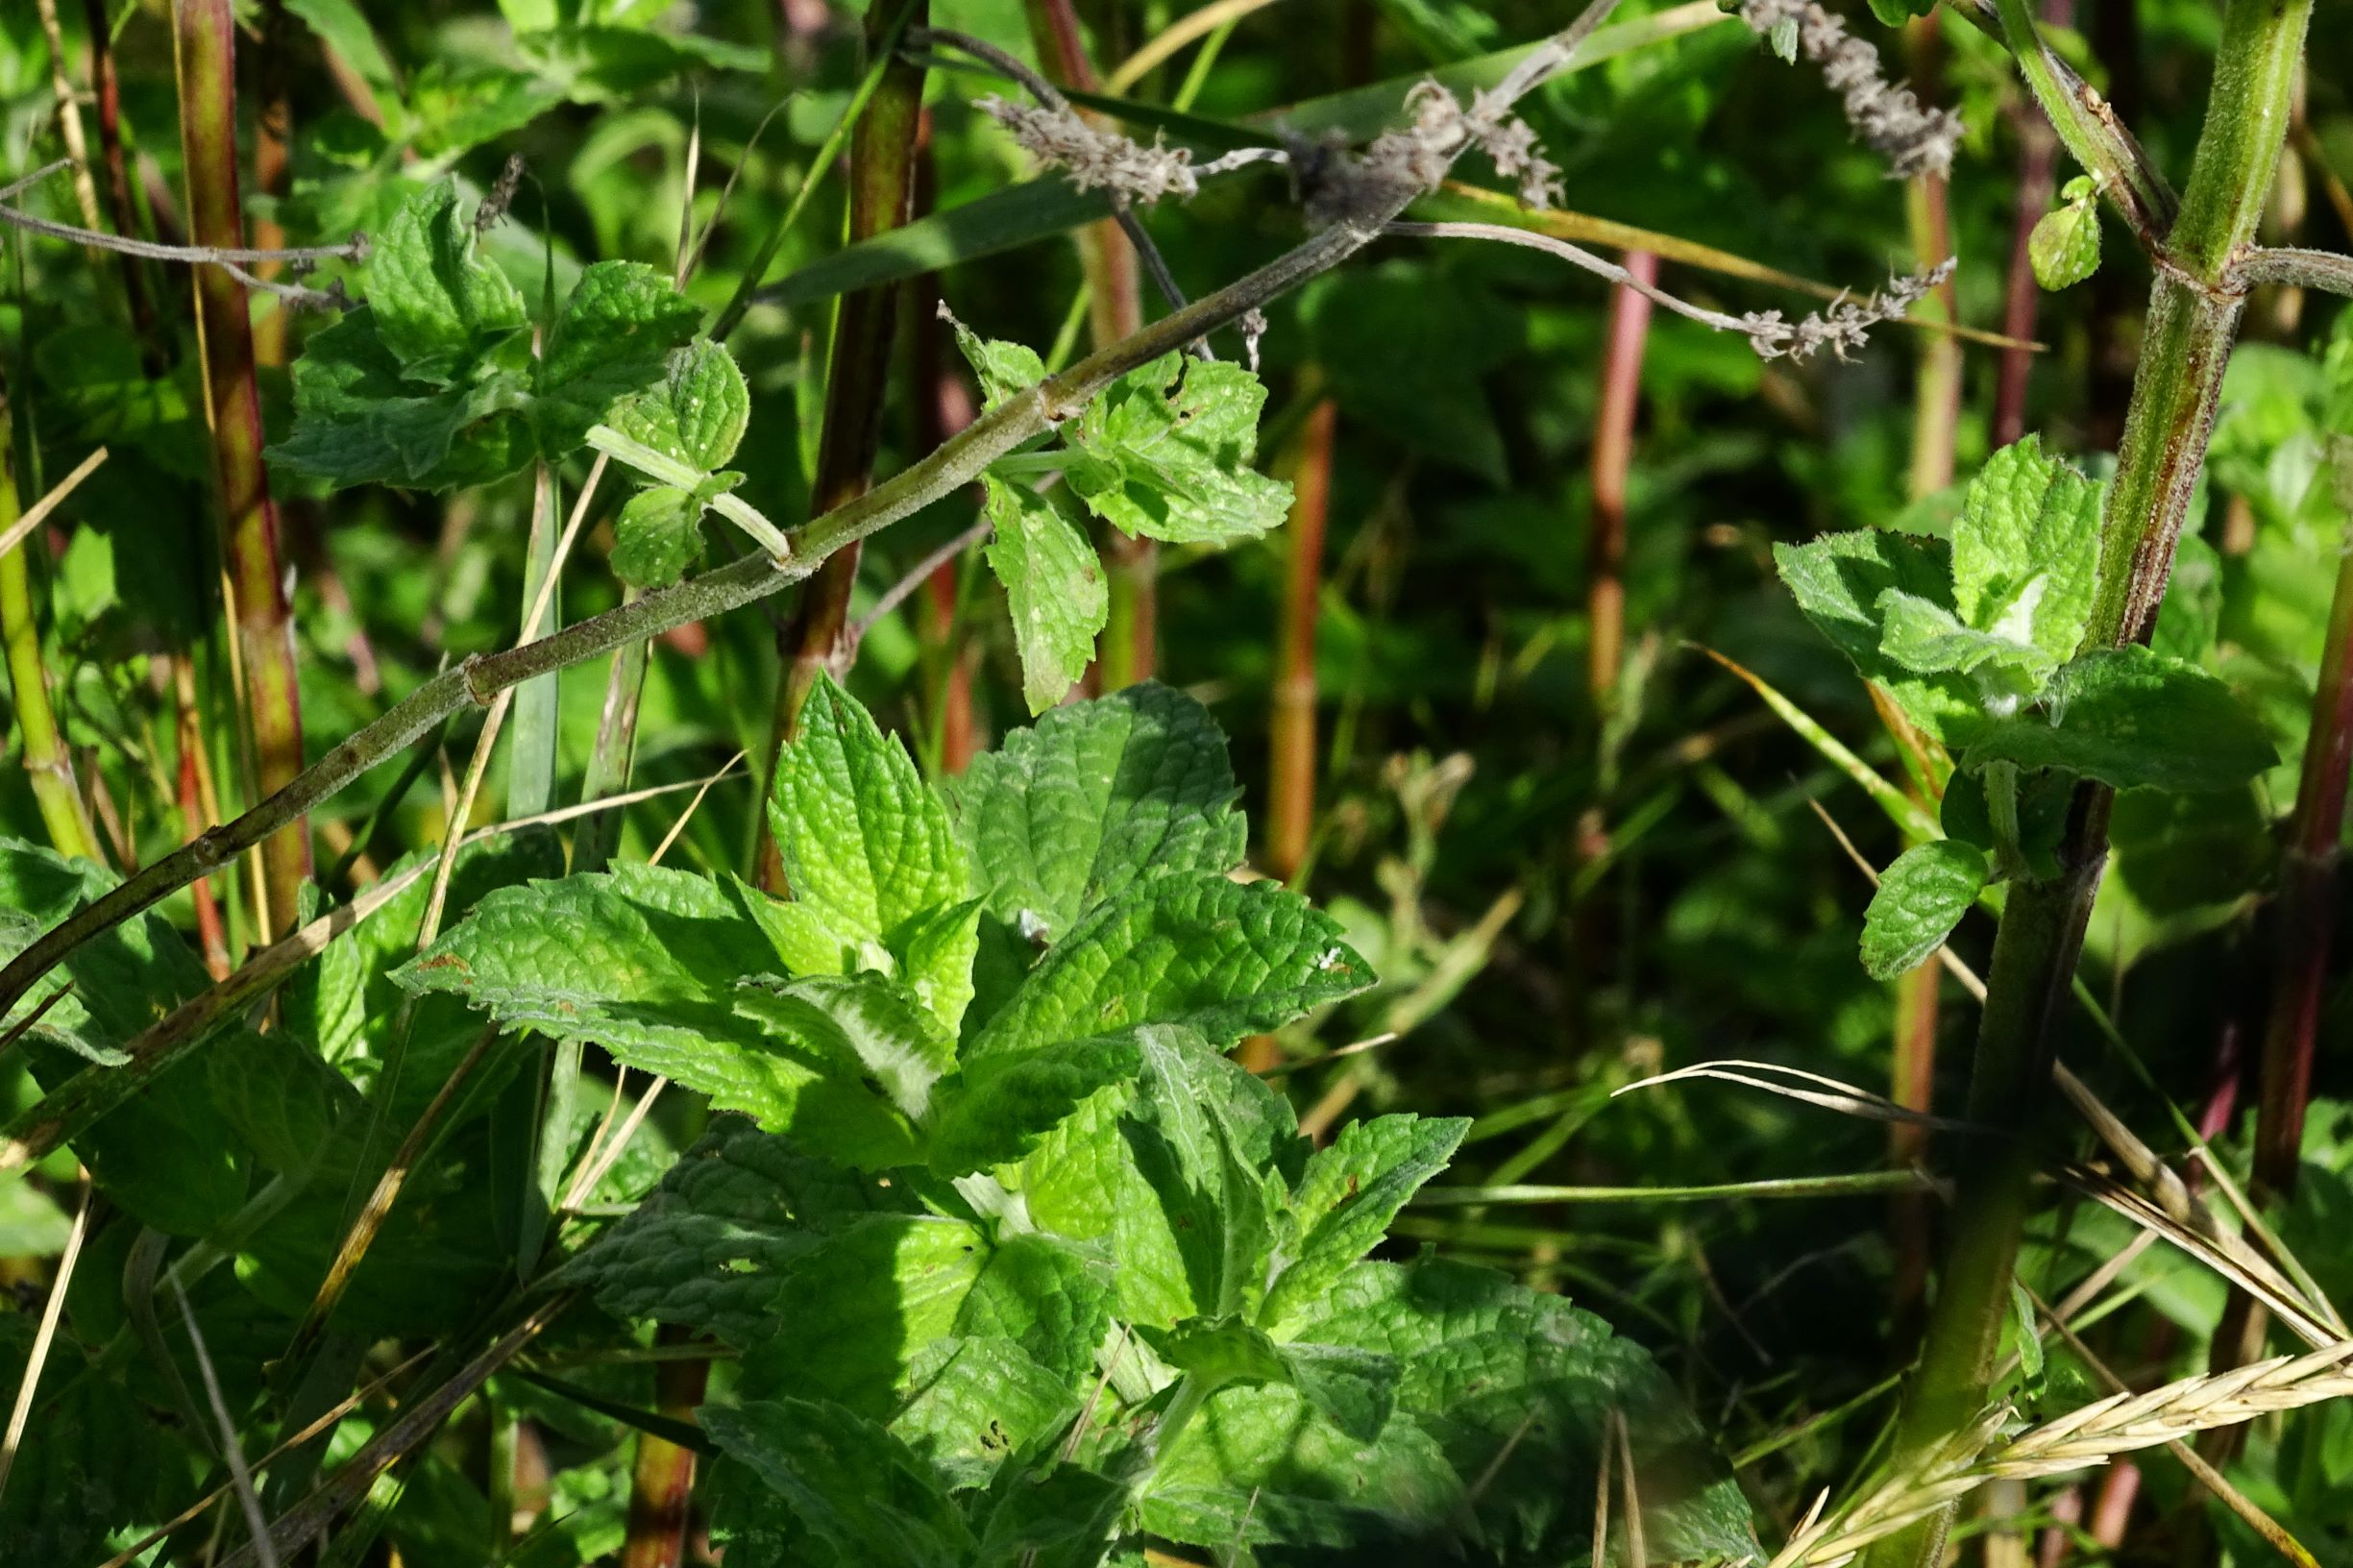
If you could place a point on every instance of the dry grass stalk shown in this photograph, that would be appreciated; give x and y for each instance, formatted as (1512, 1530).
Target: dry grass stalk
(2092, 1435)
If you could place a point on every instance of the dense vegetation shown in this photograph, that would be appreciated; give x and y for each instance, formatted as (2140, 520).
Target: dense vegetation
(1093, 781)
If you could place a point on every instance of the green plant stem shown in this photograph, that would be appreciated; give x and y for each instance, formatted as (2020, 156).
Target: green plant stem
(48, 766)
(204, 34)
(2194, 313)
(957, 462)
(882, 159)
(748, 288)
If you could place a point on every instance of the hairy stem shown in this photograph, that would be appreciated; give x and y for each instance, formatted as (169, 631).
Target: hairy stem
(2194, 313)
(956, 463)
(204, 34)
(857, 382)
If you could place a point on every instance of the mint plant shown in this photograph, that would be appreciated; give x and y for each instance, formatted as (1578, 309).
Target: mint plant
(1978, 640)
(1019, 1262)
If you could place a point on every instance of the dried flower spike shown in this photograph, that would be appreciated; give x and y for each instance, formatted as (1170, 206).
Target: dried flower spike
(1913, 138)
(1058, 138)
(1846, 323)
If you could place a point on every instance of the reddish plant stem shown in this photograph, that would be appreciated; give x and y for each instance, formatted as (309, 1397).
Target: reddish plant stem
(857, 376)
(662, 1480)
(205, 32)
(1128, 651)
(1290, 809)
(1613, 455)
(2306, 913)
(272, 124)
(942, 406)
(109, 93)
(2038, 148)
(1936, 417)
(2304, 920)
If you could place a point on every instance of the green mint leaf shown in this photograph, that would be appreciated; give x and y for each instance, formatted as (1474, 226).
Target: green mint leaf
(1083, 1180)
(647, 962)
(935, 955)
(1838, 581)
(1005, 369)
(1053, 585)
(2026, 551)
(882, 1289)
(867, 847)
(709, 1248)
(1166, 451)
(693, 407)
(1927, 639)
(656, 537)
(1355, 1390)
(1262, 1466)
(614, 339)
(2134, 719)
(979, 1403)
(1896, 12)
(870, 1025)
(359, 420)
(1479, 1359)
(1001, 1105)
(1224, 958)
(1922, 894)
(1094, 796)
(1222, 1349)
(102, 1464)
(2064, 245)
(1059, 1519)
(439, 308)
(279, 1097)
(856, 1487)
(1348, 1195)
(1195, 1224)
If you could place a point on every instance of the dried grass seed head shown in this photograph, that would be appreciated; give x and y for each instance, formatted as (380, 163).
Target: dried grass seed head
(1887, 117)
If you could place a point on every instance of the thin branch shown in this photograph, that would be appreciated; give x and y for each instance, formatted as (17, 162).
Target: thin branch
(1839, 328)
(354, 249)
(957, 462)
(897, 593)
(2326, 270)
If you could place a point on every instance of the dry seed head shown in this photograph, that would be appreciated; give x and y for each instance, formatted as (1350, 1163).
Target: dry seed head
(2092, 1435)
(1058, 138)
(1888, 117)
(1844, 326)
